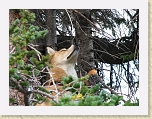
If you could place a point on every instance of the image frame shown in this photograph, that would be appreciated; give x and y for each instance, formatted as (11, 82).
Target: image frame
(54, 109)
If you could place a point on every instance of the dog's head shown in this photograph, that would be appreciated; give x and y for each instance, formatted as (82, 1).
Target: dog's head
(63, 56)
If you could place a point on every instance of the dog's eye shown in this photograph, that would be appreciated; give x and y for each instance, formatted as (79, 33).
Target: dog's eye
(63, 50)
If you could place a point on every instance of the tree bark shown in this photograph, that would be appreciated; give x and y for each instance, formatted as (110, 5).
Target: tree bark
(51, 38)
(83, 31)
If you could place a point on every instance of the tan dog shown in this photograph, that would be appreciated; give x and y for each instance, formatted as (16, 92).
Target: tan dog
(63, 62)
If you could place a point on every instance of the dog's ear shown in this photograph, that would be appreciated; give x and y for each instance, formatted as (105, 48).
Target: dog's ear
(50, 51)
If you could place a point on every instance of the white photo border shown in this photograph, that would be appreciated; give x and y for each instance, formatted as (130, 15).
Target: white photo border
(5, 5)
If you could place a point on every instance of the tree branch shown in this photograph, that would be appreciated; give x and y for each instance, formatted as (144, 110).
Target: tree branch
(86, 19)
(96, 77)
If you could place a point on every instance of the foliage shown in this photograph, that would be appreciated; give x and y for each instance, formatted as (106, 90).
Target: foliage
(84, 96)
(129, 103)
(22, 33)
(130, 56)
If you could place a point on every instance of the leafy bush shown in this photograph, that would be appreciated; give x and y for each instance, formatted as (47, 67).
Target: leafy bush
(84, 96)
(25, 68)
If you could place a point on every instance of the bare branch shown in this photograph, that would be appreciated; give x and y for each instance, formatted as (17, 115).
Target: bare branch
(86, 19)
(69, 18)
(43, 93)
(51, 78)
(38, 53)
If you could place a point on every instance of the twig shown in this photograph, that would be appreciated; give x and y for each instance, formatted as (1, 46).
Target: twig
(118, 43)
(112, 91)
(12, 50)
(25, 92)
(103, 83)
(106, 53)
(43, 93)
(38, 53)
(66, 89)
(51, 78)
(136, 50)
(86, 19)
(70, 19)
(18, 85)
(81, 28)
(126, 28)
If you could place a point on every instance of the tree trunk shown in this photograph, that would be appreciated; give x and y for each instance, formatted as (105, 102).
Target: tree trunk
(51, 38)
(83, 31)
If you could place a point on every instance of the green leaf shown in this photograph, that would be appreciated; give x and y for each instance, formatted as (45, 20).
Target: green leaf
(32, 38)
(111, 104)
(76, 85)
(16, 76)
(94, 89)
(13, 71)
(20, 62)
(20, 38)
(24, 21)
(129, 103)
(33, 60)
(25, 84)
(113, 101)
(36, 72)
(25, 72)
(28, 66)
(120, 97)
(40, 66)
(67, 80)
(11, 100)
(40, 98)
(23, 43)
(32, 29)
(84, 90)
(36, 28)
(115, 97)
(70, 78)
(17, 29)
(17, 21)
(43, 89)
(83, 78)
